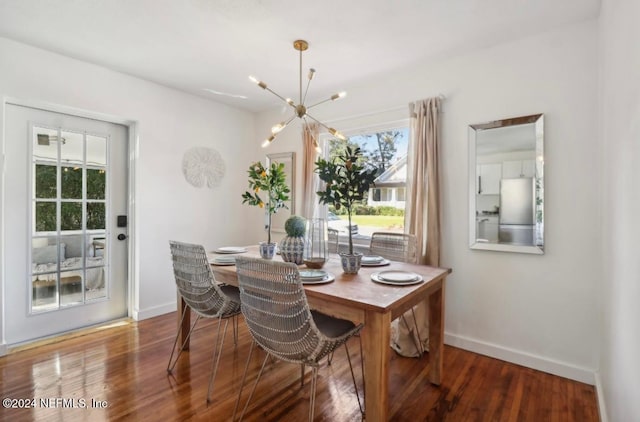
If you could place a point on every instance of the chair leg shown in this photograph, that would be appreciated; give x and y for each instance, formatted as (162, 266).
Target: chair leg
(170, 365)
(314, 383)
(416, 340)
(353, 377)
(244, 376)
(255, 384)
(217, 352)
(302, 375)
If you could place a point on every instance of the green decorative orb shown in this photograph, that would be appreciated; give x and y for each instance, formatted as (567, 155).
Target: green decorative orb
(295, 226)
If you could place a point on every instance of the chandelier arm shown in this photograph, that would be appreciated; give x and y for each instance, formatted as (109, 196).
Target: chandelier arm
(279, 96)
(331, 130)
(318, 103)
(331, 98)
(305, 92)
(287, 123)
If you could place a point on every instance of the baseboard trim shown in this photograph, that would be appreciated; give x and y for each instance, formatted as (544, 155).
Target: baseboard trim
(3, 349)
(602, 409)
(155, 311)
(519, 357)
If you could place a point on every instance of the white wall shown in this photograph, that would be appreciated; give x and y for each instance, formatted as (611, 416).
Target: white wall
(541, 311)
(169, 123)
(620, 148)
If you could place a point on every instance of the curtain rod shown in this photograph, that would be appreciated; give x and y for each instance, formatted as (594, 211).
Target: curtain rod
(373, 113)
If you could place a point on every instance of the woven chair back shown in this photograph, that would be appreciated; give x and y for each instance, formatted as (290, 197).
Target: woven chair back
(394, 246)
(276, 311)
(196, 283)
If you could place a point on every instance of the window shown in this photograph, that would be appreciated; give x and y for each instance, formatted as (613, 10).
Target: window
(383, 210)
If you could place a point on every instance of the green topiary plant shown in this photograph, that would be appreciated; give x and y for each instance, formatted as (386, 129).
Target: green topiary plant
(347, 180)
(272, 181)
(292, 246)
(295, 226)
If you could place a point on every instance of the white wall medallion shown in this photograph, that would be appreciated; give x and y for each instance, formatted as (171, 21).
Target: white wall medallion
(202, 167)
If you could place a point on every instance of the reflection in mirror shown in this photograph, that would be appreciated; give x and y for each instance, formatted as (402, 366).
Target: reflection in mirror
(506, 185)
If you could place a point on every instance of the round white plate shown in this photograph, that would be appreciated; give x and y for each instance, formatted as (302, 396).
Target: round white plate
(231, 249)
(225, 262)
(326, 279)
(376, 263)
(400, 281)
(312, 275)
(372, 259)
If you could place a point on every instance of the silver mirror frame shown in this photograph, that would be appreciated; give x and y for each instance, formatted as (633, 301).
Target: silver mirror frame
(538, 121)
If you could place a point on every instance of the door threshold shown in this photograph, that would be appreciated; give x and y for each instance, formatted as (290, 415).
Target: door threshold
(32, 344)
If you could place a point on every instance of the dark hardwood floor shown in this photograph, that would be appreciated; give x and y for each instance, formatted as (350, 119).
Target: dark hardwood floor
(124, 368)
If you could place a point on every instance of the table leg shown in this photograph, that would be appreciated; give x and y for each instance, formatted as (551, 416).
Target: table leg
(375, 349)
(436, 334)
(186, 322)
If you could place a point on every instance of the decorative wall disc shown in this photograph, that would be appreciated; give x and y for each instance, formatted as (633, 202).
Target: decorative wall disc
(202, 167)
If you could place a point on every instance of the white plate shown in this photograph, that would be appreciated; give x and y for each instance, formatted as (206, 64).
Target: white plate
(223, 260)
(312, 275)
(371, 259)
(405, 282)
(376, 263)
(328, 277)
(231, 249)
(398, 276)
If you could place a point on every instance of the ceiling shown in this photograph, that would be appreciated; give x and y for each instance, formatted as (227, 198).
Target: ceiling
(193, 45)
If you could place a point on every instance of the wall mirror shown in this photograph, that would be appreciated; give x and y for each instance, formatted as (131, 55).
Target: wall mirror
(506, 185)
(278, 219)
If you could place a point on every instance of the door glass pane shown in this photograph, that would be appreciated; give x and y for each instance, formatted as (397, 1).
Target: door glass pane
(45, 259)
(71, 150)
(45, 144)
(71, 287)
(95, 216)
(95, 274)
(44, 292)
(45, 218)
(73, 252)
(45, 178)
(71, 216)
(96, 150)
(71, 182)
(96, 183)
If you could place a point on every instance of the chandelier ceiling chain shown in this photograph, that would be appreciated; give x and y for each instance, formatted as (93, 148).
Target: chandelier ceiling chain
(300, 109)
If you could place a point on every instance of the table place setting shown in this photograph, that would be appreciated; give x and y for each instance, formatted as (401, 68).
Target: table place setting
(223, 260)
(230, 249)
(374, 261)
(396, 278)
(316, 277)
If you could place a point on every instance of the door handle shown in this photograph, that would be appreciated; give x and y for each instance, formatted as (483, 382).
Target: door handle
(122, 236)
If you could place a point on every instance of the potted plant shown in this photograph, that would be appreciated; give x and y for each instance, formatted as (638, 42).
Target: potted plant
(292, 245)
(271, 181)
(347, 180)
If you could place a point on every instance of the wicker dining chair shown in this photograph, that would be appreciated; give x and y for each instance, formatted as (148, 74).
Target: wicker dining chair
(280, 321)
(399, 247)
(208, 299)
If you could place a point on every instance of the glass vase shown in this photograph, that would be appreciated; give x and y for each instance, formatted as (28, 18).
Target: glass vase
(315, 249)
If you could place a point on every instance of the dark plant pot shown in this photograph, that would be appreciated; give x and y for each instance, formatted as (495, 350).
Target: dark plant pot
(351, 263)
(267, 250)
(292, 249)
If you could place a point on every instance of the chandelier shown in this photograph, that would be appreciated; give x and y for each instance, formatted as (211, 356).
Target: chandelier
(300, 109)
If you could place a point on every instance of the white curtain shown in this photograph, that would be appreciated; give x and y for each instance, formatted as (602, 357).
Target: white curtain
(310, 179)
(422, 213)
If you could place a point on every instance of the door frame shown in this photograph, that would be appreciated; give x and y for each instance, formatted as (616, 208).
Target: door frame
(132, 229)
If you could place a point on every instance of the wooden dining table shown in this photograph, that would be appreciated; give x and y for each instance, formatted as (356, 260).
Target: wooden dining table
(357, 298)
